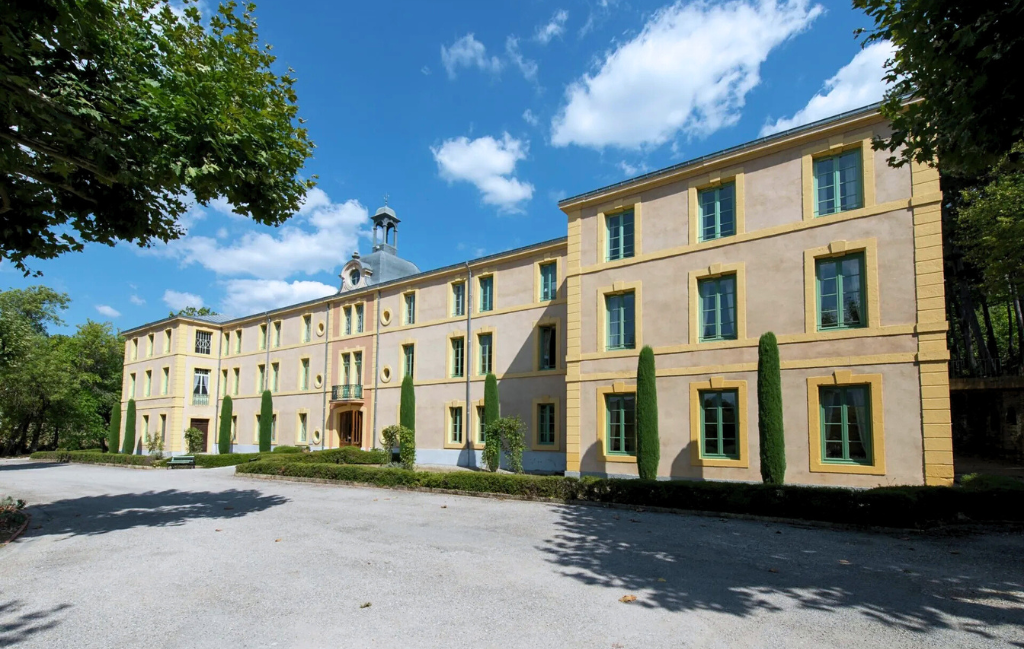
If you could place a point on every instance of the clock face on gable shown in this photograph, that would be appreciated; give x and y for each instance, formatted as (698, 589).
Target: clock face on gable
(353, 276)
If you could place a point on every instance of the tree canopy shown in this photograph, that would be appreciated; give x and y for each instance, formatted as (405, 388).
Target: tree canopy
(963, 60)
(191, 310)
(116, 114)
(55, 389)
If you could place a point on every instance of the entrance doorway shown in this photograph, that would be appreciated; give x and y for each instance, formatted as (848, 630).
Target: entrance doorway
(350, 428)
(203, 425)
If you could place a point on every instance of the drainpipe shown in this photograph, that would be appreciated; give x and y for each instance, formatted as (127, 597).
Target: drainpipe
(467, 368)
(327, 345)
(376, 355)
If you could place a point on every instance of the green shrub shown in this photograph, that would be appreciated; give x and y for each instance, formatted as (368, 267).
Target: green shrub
(129, 429)
(155, 445)
(288, 449)
(343, 455)
(883, 506)
(492, 409)
(407, 407)
(114, 432)
(266, 420)
(976, 481)
(407, 447)
(769, 411)
(389, 438)
(194, 440)
(648, 445)
(224, 459)
(224, 438)
(93, 457)
(511, 432)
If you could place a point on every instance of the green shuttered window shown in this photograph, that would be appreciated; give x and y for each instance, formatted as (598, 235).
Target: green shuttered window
(718, 423)
(619, 235)
(546, 424)
(621, 321)
(549, 281)
(717, 308)
(840, 283)
(845, 424)
(486, 294)
(620, 425)
(717, 212)
(837, 183)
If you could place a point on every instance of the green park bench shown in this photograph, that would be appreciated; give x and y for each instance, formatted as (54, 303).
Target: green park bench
(182, 460)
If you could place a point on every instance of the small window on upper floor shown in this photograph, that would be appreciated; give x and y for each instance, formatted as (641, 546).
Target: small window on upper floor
(838, 185)
(167, 341)
(307, 328)
(227, 343)
(348, 320)
(840, 289)
(277, 334)
(263, 336)
(486, 353)
(619, 235)
(549, 281)
(359, 318)
(204, 340)
(409, 359)
(487, 293)
(548, 358)
(135, 348)
(717, 212)
(410, 308)
(149, 344)
(458, 299)
(238, 341)
(458, 356)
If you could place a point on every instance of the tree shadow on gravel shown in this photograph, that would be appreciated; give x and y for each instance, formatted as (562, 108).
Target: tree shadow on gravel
(18, 624)
(912, 582)
(21, 466)
(91, 515)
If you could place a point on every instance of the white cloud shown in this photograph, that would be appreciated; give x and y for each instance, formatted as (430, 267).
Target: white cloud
(526, 66)
(467, 52)
(136, 300)
(857, 84)
(108, 311)
(311, 242)
(633, 170)
(554, 27)
(178, 300)
(248, 296)
(689, 70)
(425, 70)
(530, 118)
(489, 164)
(222, 233)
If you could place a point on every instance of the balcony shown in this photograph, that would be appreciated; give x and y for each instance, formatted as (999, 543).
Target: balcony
(346, 392)
(200, 399)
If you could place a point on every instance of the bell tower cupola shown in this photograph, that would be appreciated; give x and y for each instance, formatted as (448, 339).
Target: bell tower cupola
(385, 229)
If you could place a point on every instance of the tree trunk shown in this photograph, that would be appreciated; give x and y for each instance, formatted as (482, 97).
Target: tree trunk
(34, 445)
(1020, 326)
(963, 300)
(1009, 332)
(990, 335)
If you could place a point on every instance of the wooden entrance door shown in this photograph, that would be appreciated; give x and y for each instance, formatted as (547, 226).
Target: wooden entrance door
(203, 425)
(350, 428)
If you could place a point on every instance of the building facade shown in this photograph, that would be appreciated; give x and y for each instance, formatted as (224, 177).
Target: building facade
(808, 234)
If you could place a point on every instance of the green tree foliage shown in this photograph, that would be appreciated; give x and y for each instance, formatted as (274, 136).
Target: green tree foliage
(492, 409)
(266, 420)
(192, 311)
(769, 411)
(194, 440)
(55, 389)
(224, 439)
(407, 406)
(648, 445)
(964, 61)
(114, 112)
(114, 431)
(407, 447)
(129, 429)
(512, 433)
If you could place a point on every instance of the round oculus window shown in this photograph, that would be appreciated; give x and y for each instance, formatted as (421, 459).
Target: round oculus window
(353, 277)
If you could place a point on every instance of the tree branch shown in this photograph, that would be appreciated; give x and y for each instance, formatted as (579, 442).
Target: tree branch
(64, 186)
(47, 150)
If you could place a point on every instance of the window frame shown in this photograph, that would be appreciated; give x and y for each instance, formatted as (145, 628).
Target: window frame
(548, 286)
(836, 180)
(208, 336)
(408, 359)
(717, 281)
(840, 293)
(865, 390)
(876, 408)
(625, 398)
(716, 191)
(621, 331)
(718, 384)
(486, 302)
(870, 300)
(457, 357)
(615, 229)
(457, 295)
(552, 326)
(720, 437)
(483, 369)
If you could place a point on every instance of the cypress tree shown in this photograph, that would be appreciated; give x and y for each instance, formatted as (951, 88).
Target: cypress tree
(114, 434)
(266, 421)
(224, 440)
(129, 429)
(769, 411)
(648, 446)
(492, 442)
(407, 409)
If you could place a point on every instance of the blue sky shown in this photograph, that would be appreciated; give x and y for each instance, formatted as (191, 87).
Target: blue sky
(476, 118)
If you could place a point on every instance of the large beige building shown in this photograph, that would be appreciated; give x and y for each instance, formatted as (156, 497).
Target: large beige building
(808, 234)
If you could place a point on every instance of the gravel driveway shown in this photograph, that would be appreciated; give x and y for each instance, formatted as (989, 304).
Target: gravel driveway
(117, 557)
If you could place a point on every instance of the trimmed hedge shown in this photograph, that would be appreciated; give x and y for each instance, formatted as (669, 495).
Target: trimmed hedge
(883, 506)
(287, 449)
(344, 455)
(93, 457)
(223, 459)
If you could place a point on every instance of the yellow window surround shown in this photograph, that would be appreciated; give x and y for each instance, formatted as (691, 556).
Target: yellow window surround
(537, 351)
(612, 208)
(448, 443)
(713, 271)
(602, 419)
(719, 383)
(535, 444)
(714, 180)
(602, 318)
(834, 145)
(846, 377)
(869, 247)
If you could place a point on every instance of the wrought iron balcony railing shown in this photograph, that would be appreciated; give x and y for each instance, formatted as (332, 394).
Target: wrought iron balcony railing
(200, 399)
(345, 392)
